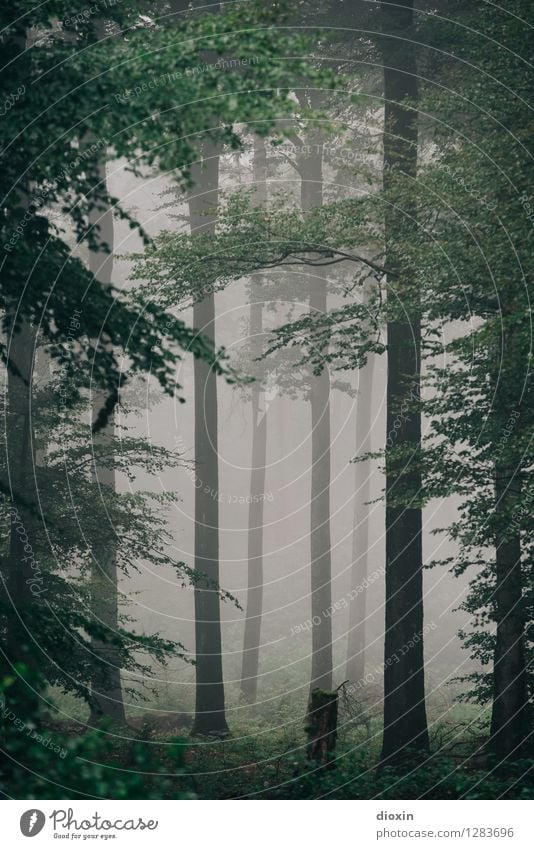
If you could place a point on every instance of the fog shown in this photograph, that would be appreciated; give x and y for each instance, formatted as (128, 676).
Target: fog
(155, 600)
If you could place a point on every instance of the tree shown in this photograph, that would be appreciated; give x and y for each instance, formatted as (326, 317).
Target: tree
(43, 284)
(81, 511)
(191, 282)
(118, 92)
(19, 594)
(254, 608)
(209, 705)
(356, 642)
(479, 445)
(310, 168)
(106, 694)
(405, 726)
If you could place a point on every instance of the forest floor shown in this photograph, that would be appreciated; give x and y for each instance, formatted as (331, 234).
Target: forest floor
(265, 761)
(265, 758)
(273, 765)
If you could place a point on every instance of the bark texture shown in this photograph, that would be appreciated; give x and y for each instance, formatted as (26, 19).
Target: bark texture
(355, 668)
(405, 724)
(310, 167)
(509, 730)
(106, 687)
(322, 726)
(209, 706)
(24, 580)
(254, 608)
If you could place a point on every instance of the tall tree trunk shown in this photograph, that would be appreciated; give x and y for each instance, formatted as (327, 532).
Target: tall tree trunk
(25, 582)
(209, 698)
(254, 609)
(509, 717)
(106, 689)
(355, 668)
(310, 167)
(509, 710)
(405, 725)
(209, 709)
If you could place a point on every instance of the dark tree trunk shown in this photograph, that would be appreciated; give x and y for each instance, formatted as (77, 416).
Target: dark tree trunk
(321, 726)
(23, 583)
(509, 710)
(254, 609)
(405, 725)
(355, 668)
(310, 167)
(25, 580)
(209, 710)
(106, 688)
(209, 698)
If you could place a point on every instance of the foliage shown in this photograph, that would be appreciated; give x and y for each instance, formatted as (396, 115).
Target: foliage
(104, 764)
(85, 95)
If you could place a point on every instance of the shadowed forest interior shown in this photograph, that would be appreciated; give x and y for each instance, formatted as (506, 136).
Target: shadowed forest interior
(266, 484)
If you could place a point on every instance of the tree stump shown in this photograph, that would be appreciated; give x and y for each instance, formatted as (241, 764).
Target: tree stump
(321, 727)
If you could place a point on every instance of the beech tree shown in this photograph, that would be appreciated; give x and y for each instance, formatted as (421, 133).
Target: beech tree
(405, 726)
(356, 641)
(311, 172)
(72, 86)
(479, 405)
(255, 578)
(192, 284)
(106, 695)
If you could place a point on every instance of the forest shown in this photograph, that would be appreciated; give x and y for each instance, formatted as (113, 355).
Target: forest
(266, 481)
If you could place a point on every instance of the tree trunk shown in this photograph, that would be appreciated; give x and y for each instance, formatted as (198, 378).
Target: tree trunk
(405, 725)
(310, 167)
(106, 689)
(254, 609)
(25, 581)
(509, 709)
(321, 726)
(209, 709)
(355, 669)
